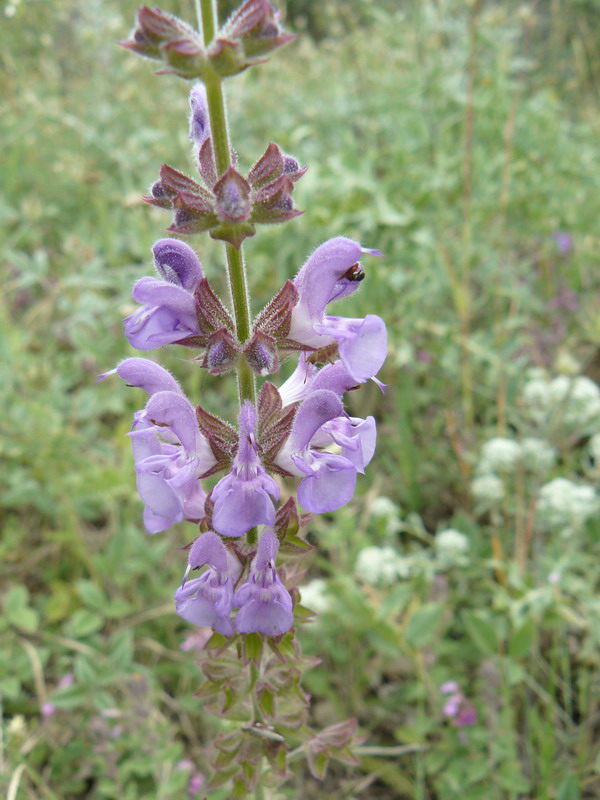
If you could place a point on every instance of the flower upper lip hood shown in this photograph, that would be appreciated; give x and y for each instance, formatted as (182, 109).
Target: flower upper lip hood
(168, 308)
(333, 271)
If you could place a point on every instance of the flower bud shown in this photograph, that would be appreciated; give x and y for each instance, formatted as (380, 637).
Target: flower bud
(278, 205)
(232, 195)
(221, 352)
(164, 37)
(199, 120)
(250, 34)
(261, 354)
(256, 25)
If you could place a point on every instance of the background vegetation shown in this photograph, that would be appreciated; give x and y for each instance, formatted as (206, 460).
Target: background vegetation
(461, 139)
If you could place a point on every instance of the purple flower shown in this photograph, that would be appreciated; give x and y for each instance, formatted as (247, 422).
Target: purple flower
(466, 716)
(457, 707)
(298, 386)
(564, 242)
(170, 455)
(66, 680)
(47, 709)
(450, 687)
(332, 272)
(245, 496)
(328, 479)
(168, 308)
(265, 605)
(208, 600)
(144, 374)
(170, 452)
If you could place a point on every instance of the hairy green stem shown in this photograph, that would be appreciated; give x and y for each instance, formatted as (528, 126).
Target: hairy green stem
(236, 272)
(259, 792)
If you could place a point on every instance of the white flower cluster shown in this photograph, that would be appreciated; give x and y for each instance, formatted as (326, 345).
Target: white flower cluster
(537, 455)
(384, 509)
(315, 596)
(499, 455)
(451, 547)
(381, 566)
(488, 490)
(594, 449)
(565, 506)
(573, 402)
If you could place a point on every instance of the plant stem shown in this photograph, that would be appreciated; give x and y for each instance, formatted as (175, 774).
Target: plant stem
(236, 272)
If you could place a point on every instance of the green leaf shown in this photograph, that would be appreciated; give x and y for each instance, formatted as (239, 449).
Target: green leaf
(10, 687)
(568, 789)
(17, 610)
(83, 623)
(423, 624)
(267, 702)
(121, 649)
(396, 600)
(303, 614)
(91, 594)
(85, 671)
(104, 700)
(70, 697)
(481, 631)
(253, 647)
(240, 790)
(522, 640)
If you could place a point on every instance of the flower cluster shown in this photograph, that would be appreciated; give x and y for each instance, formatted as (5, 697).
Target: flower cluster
(451, 547)
(250, 34)
(297, 430)
(381, 566)
(456, 707)
(229, 205)
(570, 403)
(566, 506)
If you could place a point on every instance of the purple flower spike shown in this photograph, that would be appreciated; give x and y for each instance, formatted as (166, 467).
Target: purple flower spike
(208, 600)
(170, 454)
(264, 602)
(332, 272)
(177, 263)
(168, 308)
(245, 496)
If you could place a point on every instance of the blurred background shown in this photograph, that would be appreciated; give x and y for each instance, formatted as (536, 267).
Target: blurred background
(459, 617)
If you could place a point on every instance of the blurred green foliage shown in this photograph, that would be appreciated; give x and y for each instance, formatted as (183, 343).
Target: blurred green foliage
(455, 136)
